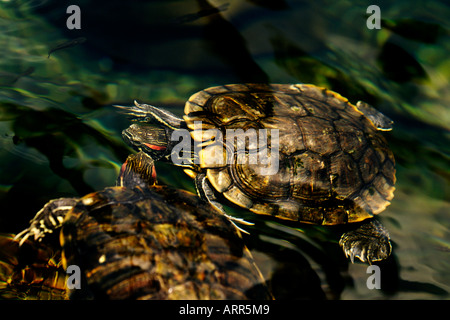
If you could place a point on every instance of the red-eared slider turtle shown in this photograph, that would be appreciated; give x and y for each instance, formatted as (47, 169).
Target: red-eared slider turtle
(144, 241)
(332, 166)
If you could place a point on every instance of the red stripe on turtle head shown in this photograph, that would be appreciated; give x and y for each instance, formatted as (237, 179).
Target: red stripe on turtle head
(155, 147)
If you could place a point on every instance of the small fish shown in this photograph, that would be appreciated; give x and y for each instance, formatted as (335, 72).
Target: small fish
(67, 44)
(202, 13)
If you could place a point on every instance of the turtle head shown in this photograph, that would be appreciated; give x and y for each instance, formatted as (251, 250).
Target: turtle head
(147, 138)
(137, 171)
(379, 120)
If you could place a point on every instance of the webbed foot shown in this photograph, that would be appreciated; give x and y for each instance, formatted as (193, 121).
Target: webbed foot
(370, 242)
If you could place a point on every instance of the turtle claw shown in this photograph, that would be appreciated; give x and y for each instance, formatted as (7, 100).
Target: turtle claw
(240, 221)
(369, 243)
(23, 236)
(239, 228)
(232, 219)
(356, 250)
(34, 232)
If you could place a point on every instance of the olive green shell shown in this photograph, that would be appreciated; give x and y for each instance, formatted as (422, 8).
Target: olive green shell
(157, 243)
(334, 166)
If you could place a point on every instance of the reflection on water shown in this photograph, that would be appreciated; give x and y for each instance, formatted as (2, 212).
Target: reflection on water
(60, 135)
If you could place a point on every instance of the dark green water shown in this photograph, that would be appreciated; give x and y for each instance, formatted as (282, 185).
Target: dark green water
(60, 135)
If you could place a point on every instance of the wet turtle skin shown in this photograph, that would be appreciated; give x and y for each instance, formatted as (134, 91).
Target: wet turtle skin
(136, 242)
(334, 167)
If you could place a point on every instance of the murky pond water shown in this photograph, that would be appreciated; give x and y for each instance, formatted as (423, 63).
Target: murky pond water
(61, 136)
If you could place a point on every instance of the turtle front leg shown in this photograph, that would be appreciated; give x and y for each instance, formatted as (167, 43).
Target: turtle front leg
(48, 219)
(148, 113)
(206, 193)
(370, 242)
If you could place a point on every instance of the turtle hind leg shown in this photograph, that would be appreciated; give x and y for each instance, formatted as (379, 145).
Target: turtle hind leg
(206, 193)
(370, 242)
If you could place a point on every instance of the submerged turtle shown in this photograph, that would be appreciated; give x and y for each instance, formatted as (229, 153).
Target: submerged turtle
(145, 241)
(332, 166)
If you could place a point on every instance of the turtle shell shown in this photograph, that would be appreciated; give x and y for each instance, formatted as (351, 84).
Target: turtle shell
(30, 271)
(157, 243)
(331, 164)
